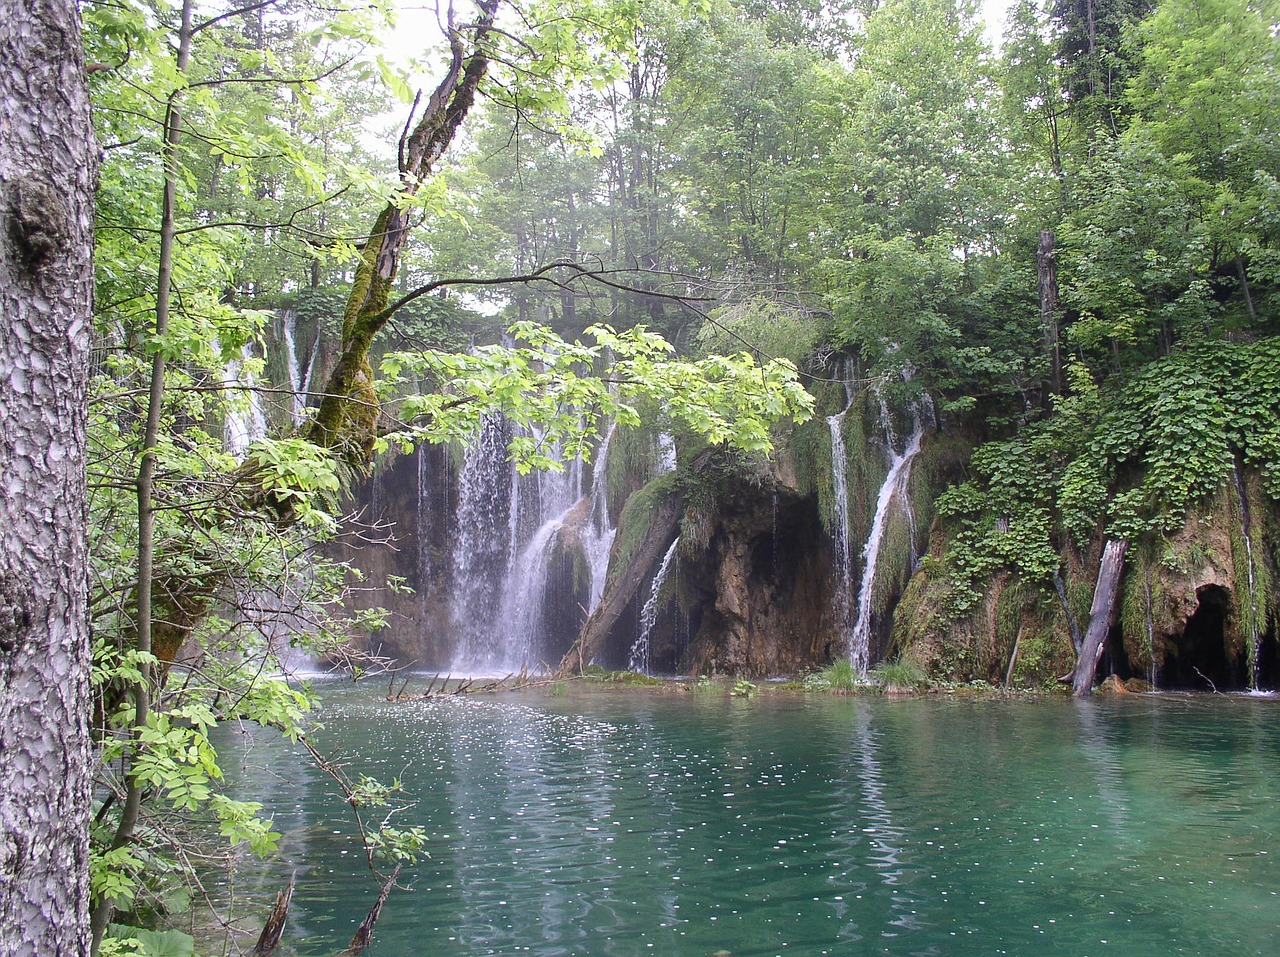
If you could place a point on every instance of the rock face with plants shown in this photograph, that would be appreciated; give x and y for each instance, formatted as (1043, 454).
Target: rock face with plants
(1078, 331)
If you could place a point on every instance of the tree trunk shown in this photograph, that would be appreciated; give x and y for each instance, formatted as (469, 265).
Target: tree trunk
(47, 171)
(364, 933)
(622, 587)
(1047, 274)
(1100, 616)
(273, 929)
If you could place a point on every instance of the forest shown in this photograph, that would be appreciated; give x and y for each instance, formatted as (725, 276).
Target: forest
(747, 338)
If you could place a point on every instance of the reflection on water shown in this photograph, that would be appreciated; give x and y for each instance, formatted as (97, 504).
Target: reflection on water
(687, 824)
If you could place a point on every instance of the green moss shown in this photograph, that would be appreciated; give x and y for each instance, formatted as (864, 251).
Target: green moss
(629, 466)
(1010, 606)
(1253, 607)
(894, 561)
(626, 678)
(637, 515)
(1141, 583)
(811, 446)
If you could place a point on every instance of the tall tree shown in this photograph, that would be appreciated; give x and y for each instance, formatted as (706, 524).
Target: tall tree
(47, 169)
(1097, 61)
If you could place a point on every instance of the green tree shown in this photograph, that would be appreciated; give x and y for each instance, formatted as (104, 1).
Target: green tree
(1097, 62)
(915, 266)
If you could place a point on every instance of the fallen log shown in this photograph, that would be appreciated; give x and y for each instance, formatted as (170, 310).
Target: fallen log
(1100, 617)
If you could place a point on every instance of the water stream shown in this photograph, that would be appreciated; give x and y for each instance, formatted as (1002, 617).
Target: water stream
(894, 490)
(641, 651)
(841, 538)
(289, 326)
(245, 422)
(1255, 612)
(597, 537)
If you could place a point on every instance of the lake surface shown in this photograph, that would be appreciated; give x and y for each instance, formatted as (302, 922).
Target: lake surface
(679, 823)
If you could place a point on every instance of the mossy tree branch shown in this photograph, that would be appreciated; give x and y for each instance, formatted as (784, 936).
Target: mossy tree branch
(346, 421)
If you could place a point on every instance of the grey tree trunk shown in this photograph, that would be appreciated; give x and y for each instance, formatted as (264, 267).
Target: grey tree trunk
(1047, 280)
(1100, 616)
(47, 170)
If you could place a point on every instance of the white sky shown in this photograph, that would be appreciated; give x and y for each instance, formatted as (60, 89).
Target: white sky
(417, 25)
(993, 11)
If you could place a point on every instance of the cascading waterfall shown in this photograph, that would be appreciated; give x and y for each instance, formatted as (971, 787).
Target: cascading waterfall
(245, 422)
(501, 569)
(1255, 648)
(640, 658)
(840, 512)
(482, 543)
(597, 537)
(309, 371)
(893, 489)
(519, 632)
(520, 619)
(289, 327)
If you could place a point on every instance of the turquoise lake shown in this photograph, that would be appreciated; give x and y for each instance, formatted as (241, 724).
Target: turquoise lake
(621, 823)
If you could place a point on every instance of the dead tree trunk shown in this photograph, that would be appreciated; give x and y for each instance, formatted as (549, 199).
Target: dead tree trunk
(364, 933)
(622, 587)
(273, 929)
(1047, 276)
(1100, 615)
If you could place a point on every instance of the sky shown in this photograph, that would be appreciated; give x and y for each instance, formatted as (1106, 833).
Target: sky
(418, 19)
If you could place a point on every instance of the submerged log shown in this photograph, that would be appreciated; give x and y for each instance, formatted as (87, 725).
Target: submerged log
(273, 929)
(364, 933)
(621, 588)
(1100, 616)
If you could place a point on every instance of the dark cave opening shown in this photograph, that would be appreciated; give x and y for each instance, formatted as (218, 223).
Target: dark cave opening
(1197, 660)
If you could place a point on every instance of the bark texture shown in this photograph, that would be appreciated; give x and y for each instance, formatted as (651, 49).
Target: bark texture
(47, 169)
(1047, 283)
(1100, 616)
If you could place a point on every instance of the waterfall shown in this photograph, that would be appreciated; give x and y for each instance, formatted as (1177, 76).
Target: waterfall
(641, 654)
(309, 371)
(500, 569)
(289, 325)
(597, 538)
(426, 518)
(481, 542)
(893, 488)
(665, 457)
(840, 513)
(557, 492)
(520, 618)
(245, 423)
(519, 632)
(1254, 644)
